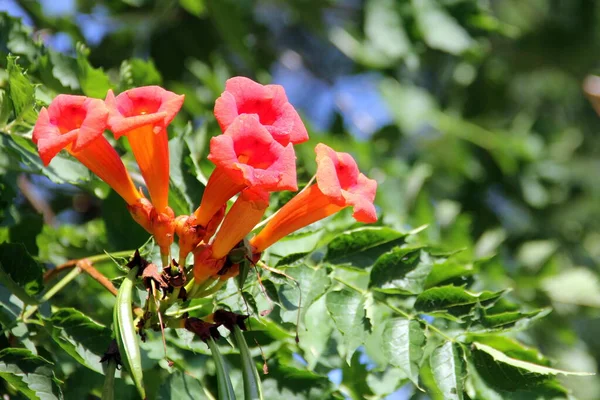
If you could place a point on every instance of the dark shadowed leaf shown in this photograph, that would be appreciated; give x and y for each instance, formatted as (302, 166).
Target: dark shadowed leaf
(31, 375)
(63, 168)
(453, 302)
(121, 231)
(137, 72)
(181, 386)
(402, 270)
(450, 272)
(185, 190)
(19, 272)
(355, 378)
(508, 373)
(361, 247)
(94, 82)
(80, 336)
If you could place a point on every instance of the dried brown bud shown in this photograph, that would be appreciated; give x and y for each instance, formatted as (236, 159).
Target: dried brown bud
(112, 353)
(229, 319)
(204, 330)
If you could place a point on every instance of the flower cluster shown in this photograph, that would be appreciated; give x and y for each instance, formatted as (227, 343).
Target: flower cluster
(253, 157)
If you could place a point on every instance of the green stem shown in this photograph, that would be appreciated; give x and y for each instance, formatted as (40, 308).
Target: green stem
(165, 260)
(212, 290)
(252, 386)
(106, 256)
(224, 386)
(198, 288)
(108, 390)
(53, 290)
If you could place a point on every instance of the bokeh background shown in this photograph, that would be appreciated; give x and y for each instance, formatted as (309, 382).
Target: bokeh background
(469, 113)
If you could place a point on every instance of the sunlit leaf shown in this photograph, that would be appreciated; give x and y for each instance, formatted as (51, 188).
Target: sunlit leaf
(403, 342)
(347, 309)
(447, 366)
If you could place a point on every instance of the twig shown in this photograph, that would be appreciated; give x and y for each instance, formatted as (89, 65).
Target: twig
(51, 273)
(86, 265)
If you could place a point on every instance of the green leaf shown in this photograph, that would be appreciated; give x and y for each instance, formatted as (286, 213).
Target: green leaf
(403, 342)
(509, 373)
(80, 336)
(315, 335)
(577, 286)
(354, 378)
(25, 231)
(402, 270)
(447, 366)
(194, 7)
(19, 272)
(185, 191)
(63, 169)
(21, 91)
(384, 30)
(31, 375)
(292, 259)
(59, 71)
(181, 386)
(289, 380)
(93, 81)
(125, 333)
(312, 283)
(450, 272)
(5, 107)
(347, 309)
(511, 347)
(361, 247)
(494, 321)
(122, 232)
(453, 302)
(439, 29)
(137, 72)
(17, 38)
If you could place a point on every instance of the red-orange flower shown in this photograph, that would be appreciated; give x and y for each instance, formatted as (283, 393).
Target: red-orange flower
(246, 156)
(246, 212)
(76, 123)
(243, 216)
(269, 103)
(191, 233)
(339, 185)
(143, 114)
(205, 265)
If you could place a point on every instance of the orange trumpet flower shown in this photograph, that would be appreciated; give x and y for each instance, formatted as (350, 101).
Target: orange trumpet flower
(76, 123)
(143, 114)
(339, 185)
(246, 156)
(246, 212)
(267, 102)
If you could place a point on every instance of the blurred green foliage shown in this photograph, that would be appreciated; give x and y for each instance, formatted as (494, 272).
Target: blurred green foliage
(491, 144)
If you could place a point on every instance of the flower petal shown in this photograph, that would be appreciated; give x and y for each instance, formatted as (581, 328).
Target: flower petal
(269, 103)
